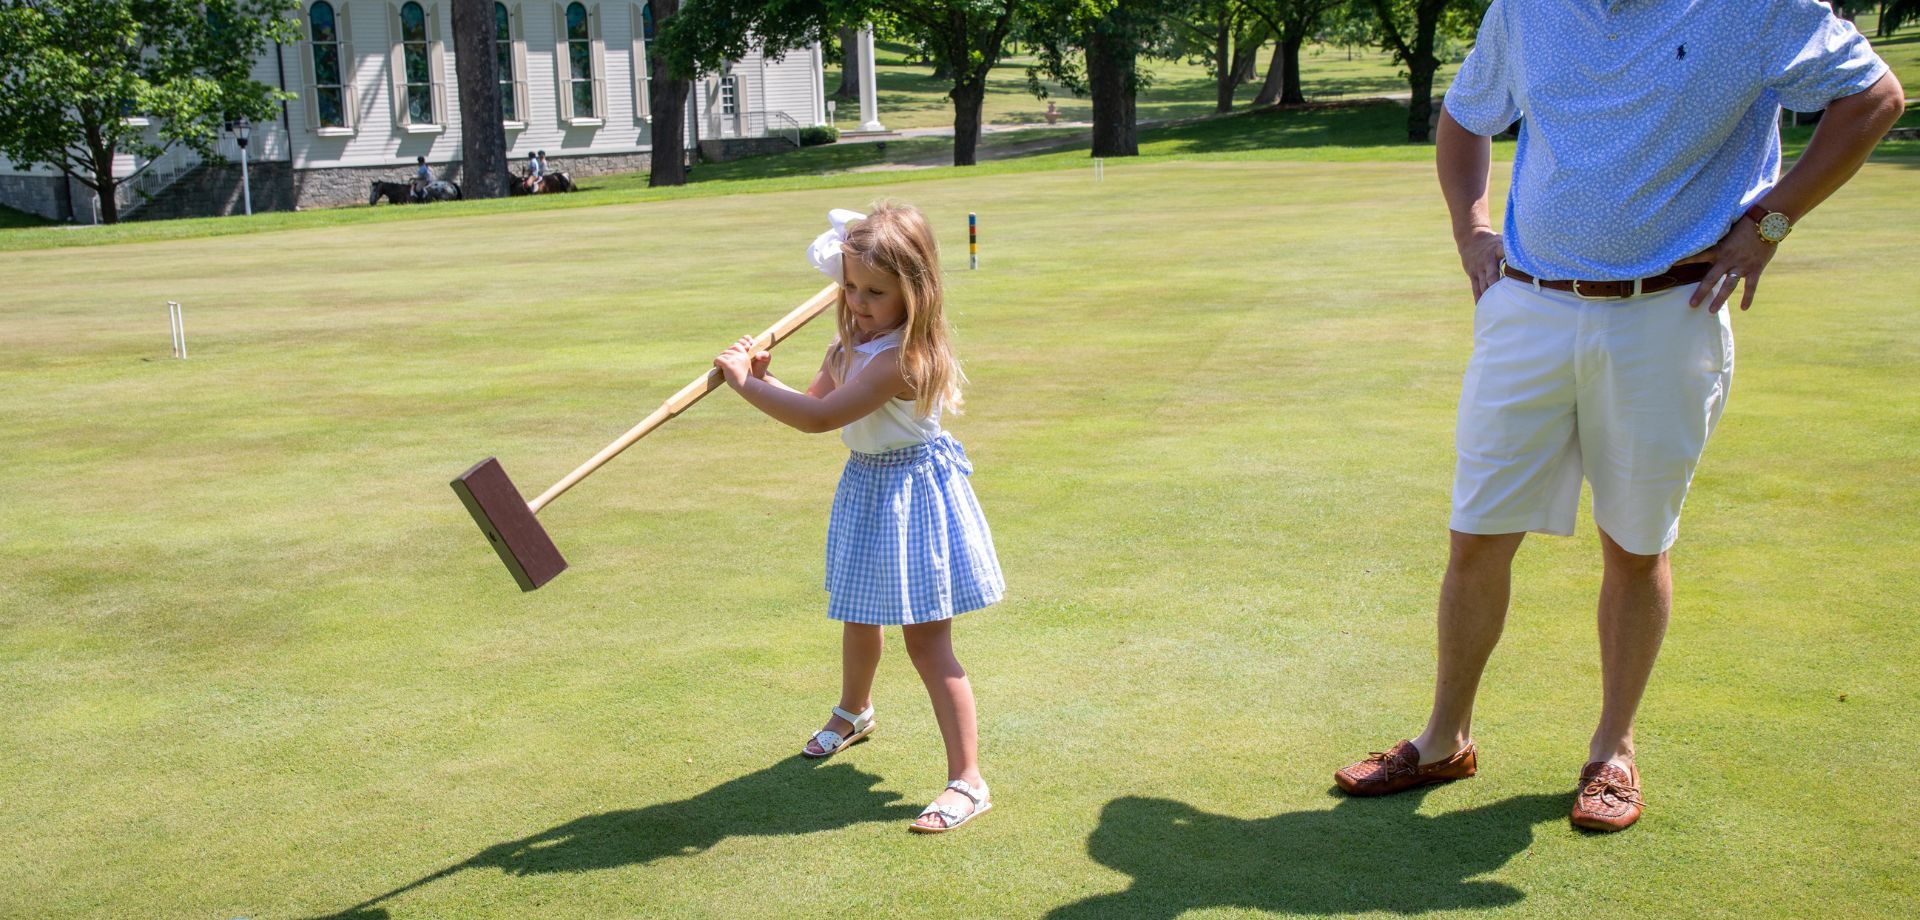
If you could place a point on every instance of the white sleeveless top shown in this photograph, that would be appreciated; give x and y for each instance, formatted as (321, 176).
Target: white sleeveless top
(895, 424)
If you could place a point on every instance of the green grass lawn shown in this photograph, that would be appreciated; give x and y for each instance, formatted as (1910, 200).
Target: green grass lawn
(258, 662)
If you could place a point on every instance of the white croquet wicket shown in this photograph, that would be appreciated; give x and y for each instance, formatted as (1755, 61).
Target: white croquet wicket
(177, 322)
(1099, 168)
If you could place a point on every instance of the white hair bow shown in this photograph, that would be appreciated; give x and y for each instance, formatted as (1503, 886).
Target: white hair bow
(825, 253)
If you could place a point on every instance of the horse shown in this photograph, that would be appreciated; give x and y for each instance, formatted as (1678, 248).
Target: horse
(551, 182)
(402, 193)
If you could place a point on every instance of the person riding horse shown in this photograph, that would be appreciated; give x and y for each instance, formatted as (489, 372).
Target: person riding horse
(422, 177)
(536, 171)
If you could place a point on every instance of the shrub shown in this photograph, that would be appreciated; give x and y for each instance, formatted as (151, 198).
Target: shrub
(818, 134)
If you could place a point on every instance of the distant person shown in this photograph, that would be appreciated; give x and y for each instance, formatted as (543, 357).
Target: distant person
(535, 171)
(422, 177)
(1646, 189)
(544, 168)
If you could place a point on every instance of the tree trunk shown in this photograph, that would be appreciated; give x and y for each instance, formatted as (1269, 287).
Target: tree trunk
(1223, 84)
(849, 63)
(667, 106)
(1111, 61)
(1244, 60)
(1270, 90)
(969, 98)
(667, 128)
(1421, 65)
(109, 203)
(1290, 69)
(483, 132)
(103, 183)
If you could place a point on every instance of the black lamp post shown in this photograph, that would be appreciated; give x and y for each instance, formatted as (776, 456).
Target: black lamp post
(242, 130)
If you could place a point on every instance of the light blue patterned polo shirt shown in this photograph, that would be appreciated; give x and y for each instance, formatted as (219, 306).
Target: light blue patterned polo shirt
(1651, 125)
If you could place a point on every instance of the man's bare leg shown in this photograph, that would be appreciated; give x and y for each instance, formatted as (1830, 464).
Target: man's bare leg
(1636, 597)
(1473, 609)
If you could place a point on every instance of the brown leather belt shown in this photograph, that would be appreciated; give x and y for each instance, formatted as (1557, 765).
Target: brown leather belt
(1617, 290)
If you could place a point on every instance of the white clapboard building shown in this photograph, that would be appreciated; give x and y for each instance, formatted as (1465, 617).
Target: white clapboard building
(376, 88)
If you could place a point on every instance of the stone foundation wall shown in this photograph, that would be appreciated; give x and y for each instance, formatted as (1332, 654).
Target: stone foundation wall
(42, 195)
(213, 190)
(349, 185)
(726, 149)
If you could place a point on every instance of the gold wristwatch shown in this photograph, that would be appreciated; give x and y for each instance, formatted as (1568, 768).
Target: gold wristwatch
(1773, 225)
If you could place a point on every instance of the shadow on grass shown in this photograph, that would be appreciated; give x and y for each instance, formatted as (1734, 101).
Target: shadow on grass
(1362, 855)
(838, 795)
(1364, 124)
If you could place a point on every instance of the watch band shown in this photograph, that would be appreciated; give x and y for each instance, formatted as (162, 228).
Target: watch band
(1756, 213)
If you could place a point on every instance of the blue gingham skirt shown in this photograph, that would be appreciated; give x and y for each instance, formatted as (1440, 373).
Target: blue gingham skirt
(907, 542)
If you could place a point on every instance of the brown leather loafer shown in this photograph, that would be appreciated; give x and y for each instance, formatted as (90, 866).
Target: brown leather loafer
(1609, 798)
(1399, 769)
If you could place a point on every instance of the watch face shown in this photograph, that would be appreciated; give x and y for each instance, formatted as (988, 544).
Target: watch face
(1775, 226)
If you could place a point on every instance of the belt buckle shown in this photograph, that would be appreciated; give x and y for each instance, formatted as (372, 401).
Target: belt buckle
(1575, 285)
(1633, 292)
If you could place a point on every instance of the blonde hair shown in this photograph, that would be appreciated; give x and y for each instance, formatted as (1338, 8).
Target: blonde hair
(896, 239)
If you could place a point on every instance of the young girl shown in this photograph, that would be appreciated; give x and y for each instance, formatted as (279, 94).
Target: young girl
(907, 544)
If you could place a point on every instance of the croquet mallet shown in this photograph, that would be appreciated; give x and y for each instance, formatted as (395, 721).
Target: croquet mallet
(508, 520)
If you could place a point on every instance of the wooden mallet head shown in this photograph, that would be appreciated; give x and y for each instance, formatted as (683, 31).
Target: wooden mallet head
(508, 520)
(509, 524)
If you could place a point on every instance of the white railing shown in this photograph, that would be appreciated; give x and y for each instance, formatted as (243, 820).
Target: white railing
(154, 176)
(783, 125)
(756, 124)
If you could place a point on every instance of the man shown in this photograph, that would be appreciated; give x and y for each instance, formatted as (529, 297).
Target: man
(1646, 189)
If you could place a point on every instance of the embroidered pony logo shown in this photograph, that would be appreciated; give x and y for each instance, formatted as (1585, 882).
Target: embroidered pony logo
(1680, 53)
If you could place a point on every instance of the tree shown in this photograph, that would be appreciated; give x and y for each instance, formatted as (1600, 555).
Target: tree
(1227, 35)
(1894, 14)
(80, 79)
(669, 82)
(963, 35)
(967, 36)
(1093, 47)
(1294, 21)
(483, 131)
(1410, 29)
(849, 63)
(1351, 25)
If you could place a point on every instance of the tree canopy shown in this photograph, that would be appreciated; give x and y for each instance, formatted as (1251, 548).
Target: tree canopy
(82, 81)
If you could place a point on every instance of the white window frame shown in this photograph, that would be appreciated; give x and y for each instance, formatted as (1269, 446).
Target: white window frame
(517, 34)
(563, 66)
(343, 49)
(642, 90)
(436, 70)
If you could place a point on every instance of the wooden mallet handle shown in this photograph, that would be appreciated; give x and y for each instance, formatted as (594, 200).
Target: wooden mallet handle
(692, 393)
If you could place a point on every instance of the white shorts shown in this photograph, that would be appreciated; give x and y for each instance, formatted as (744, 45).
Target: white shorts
(1622, 391)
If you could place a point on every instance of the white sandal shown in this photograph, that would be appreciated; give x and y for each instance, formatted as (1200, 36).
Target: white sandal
(952, 816)
(832, 742)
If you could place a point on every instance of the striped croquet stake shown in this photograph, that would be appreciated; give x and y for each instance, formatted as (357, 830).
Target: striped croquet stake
(973, 240)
